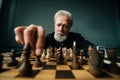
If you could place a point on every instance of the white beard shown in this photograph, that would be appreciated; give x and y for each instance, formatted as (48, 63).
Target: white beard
(60, 38)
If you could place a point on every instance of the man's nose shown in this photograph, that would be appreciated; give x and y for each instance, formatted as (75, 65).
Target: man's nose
(61, 28)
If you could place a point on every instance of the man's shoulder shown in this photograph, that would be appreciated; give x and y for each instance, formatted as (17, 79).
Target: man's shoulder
(74, 34)
(77, 36)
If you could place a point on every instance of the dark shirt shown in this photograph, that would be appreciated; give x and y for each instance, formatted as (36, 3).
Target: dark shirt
(81, 43)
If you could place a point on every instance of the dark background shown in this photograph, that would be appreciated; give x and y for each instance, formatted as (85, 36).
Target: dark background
(97, 20)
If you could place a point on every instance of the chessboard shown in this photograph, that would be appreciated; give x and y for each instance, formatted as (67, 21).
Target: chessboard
(52, 70)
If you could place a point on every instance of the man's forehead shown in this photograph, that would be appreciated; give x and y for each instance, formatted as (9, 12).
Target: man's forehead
(62, 19)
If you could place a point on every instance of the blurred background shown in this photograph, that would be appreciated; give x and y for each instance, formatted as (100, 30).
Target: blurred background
(97, 20)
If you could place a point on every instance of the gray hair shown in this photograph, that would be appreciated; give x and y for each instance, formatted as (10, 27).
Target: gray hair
(66, 13)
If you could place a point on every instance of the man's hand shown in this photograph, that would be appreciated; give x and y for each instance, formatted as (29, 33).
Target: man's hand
(33, 34)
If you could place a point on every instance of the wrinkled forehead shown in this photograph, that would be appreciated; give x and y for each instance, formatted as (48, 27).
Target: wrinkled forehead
(63, 18)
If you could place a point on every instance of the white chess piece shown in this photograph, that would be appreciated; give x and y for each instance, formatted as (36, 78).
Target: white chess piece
(48, 53)
(65, 52)
(71, 53)
(43, 54)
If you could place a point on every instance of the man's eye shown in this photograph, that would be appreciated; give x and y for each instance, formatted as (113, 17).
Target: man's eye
(66, 27)
(58, 25)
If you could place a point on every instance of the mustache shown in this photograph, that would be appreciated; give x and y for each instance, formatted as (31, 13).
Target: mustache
(61, 33)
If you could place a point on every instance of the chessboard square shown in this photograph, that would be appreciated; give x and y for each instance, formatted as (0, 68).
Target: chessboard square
(46, 75)
(61, 63)
(79, 68)
(51, 63)
(68, 63)
(64, 74)
(53, 59)
(9, 74)
(53, 67)
(63, 67)
(82, 75)
(44, 60)
(6, 67)
(37, 68)
(85, 67)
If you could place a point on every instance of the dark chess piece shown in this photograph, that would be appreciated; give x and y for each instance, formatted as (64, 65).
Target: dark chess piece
(74, 63)
(60, 57)
(38, 62)
(1, 62)
(25, 70)
(13, 61)
(81, 60)
(113, 67)
(94, 62)
(103, 55)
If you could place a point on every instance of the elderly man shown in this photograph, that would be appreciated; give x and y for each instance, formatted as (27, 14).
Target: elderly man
(62, 37)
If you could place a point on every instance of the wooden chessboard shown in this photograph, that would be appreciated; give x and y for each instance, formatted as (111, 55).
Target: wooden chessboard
(51, 70)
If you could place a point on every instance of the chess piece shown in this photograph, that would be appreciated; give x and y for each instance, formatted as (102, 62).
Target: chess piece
(74, 63)
(67, 56)
(81, 60)
(55, 52)
(71, 53)
(43, 54)
(60, 57)
(113, 67)
(38, 62)
(25, 70)
(94, 62)
(103, 55)
(51, 51)
(1, 62)
(64, 52)
(48, 53)
(102, 51)
(13, 61)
